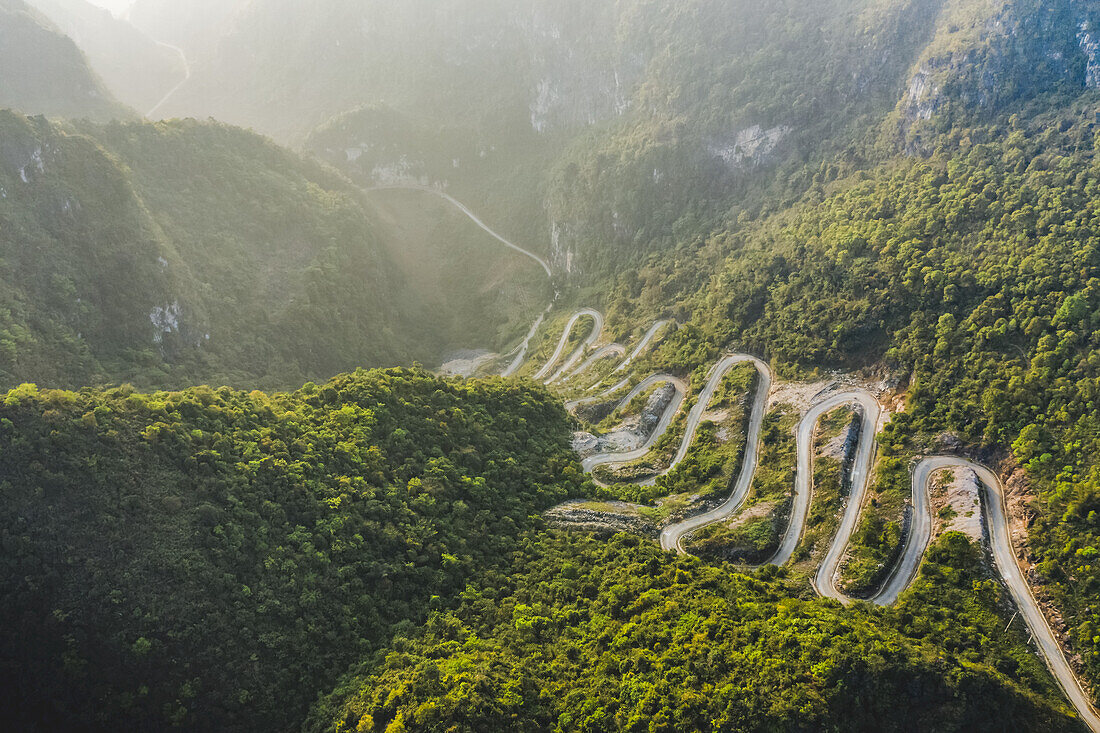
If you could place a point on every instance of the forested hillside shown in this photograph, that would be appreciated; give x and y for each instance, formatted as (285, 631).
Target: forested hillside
(593, 130)
(214, 560)
(972, 276)
(600, 132)
(178, 253)
(42, 72)
(680, 111)
(593, 636)
(137, 69)
(897, 192)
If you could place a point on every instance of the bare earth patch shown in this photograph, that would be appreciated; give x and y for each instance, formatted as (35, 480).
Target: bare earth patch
(601, 516)
(956, 503)
(466, 363)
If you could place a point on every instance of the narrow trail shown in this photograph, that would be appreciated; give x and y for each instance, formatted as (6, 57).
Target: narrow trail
(177, 87)
(472, 216)
(825, 580)
(521, 350)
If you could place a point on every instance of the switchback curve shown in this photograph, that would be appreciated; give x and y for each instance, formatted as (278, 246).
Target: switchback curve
(643, 344)
(597, 331)
(601, 353)
(993, 505)
(825, 581)
(673, 535)
(674, 406)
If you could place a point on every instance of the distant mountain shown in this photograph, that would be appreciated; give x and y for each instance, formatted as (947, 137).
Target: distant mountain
(188, 252)
(603, 131)
(183, 253)
(195, 26)
(137, 69)
(609, 126)
(43, 72)
(591, 128)
(989, 59)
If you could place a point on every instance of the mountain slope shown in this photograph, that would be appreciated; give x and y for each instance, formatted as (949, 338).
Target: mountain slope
(602, 131)
(476, 293)
(138, 70)
(43, 72)
(214, 560)
(598, 129)
(187, 252)
(969, 281)
(648, 115)
(596, 635)
(988, 59)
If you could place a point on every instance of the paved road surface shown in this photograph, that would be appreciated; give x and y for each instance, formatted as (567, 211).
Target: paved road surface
(860, 479)
(674, 406)
(601, 353)
(642, 345)
(920, 532)
(589, 342)
(673, 535)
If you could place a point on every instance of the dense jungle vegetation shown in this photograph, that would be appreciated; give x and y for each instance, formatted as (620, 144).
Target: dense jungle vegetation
(974, 275)
(213, 559)
(592, 635)
(906, 187)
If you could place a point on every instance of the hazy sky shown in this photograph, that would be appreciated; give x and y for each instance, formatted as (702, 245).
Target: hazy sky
(115, 6)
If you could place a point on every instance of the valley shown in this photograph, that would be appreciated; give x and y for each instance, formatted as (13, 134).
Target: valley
(545, 367)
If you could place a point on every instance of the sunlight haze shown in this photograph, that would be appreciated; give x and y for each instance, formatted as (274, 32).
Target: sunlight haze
(550, 366)
(118, 7)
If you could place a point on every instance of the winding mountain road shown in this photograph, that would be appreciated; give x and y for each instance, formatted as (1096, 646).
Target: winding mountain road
(825, 582)
(674, 406)
(673, 535)
(592, 338)
(920, 526)
(647, 339)
(1005, 558)
(572, 405)
(825, 579)
(521, 350)
(602, 353)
